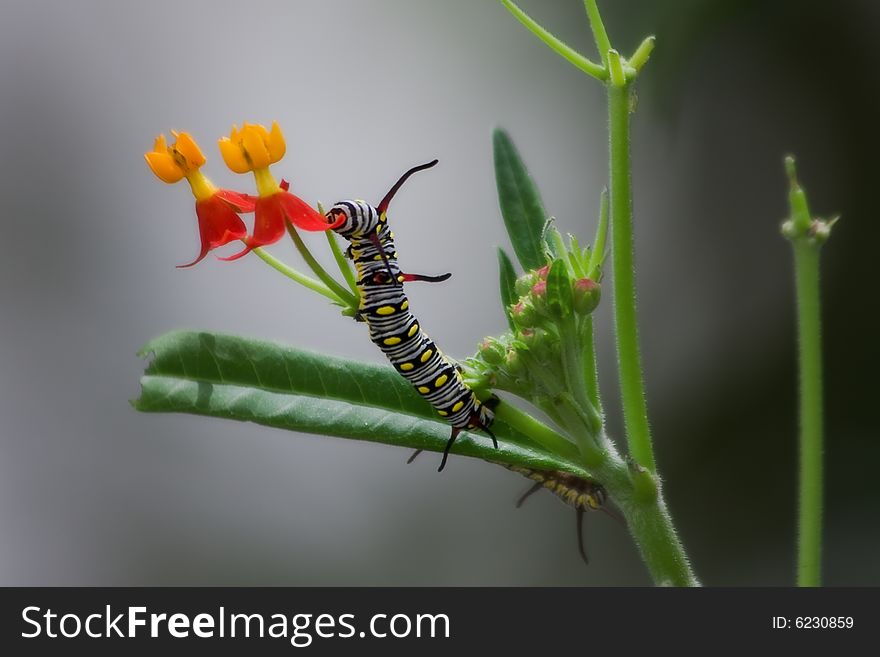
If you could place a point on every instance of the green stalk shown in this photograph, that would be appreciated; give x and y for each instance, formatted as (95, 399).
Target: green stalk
(590, 368)
(603, 44)
(294, 275)
(537, 431)
(807, 236)
(806, 267)
(650, 525)
(342, 262)
(346, 296)
(563, 50)
(632, 388)
(575, 373)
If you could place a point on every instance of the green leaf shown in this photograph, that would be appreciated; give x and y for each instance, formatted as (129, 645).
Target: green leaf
(559, 301)
(521, 206)
(278, 386)
(507, 280)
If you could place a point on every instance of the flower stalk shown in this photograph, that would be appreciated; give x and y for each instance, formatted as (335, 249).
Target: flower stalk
(807, 236)
(633, 484)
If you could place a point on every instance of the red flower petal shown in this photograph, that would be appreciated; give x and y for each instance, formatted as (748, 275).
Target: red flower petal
(268, 222)
(218, 225)
(301, 214)
(247, 249)
(239, 202)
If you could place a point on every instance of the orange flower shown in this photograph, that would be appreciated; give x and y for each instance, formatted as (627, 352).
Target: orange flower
(254, 148)
(217, 209)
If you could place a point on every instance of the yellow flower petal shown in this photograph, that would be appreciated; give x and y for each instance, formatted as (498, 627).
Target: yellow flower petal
(159, 145)
(186, 146)
(259, 128)
(233, 155)
(255, 147)
(275, 143)
(164, 166)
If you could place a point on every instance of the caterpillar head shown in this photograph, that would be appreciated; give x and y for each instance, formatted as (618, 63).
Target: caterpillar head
(362, 219)
(359, 219)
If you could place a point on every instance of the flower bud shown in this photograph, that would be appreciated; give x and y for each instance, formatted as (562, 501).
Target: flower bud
(524, 283)
(523, 313)
(513, 363)
(536, 339)
(538, 296)
(585, 295)
(492, 351)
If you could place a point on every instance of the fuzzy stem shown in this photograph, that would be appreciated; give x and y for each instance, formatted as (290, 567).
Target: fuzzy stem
(536, 430)
(557, 46)
(806, 267)
(293, 274)
(591, 370)
(807, 236)
(603, 44)
(632, 388)
(651, 525)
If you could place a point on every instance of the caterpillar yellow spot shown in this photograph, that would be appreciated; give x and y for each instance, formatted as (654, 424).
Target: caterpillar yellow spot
(405, 303)
(424, 390)
(400, 279)
(391, 341)
(386, 310)
(413, 330)
(458, 406)
(377, 257)
(441, 380)
(406, 367)
(443, 413)
(427, 355)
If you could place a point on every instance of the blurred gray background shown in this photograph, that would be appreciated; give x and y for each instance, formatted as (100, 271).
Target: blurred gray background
(92, 492)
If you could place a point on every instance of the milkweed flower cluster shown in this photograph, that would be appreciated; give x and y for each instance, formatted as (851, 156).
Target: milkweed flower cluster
(252, 149)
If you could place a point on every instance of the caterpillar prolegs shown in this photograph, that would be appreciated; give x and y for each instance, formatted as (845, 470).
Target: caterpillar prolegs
(579, 493)
(393, 328)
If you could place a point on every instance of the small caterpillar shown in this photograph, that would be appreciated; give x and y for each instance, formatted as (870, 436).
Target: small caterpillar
(580, 494)
(393, 328)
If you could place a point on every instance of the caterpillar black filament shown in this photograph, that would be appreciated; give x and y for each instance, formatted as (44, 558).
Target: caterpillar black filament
(580, 494)
(393, 328)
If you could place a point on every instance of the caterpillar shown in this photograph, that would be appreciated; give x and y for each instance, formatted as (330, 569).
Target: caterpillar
(393, 328)
(580, 494)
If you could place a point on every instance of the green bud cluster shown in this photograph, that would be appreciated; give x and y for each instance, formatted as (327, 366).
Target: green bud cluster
(529, 358)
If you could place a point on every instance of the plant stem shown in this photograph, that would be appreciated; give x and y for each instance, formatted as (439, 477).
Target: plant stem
(651, 525)
(347, 297)
(632, 388)
(342, 262)
(806, 267)
(807, 236)
(292, 274)
(537, 431)
(591, 370)
(603, 44)
(557, 46)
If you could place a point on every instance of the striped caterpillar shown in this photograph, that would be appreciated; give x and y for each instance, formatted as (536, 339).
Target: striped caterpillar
(580, 494)
(385, 308)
